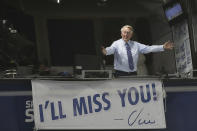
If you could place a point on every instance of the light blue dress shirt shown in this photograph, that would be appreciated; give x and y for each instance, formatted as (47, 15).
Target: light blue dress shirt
(118, 48)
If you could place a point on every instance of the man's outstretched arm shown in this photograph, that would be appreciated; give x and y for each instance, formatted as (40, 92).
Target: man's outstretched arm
(155, 48)
(103, 50)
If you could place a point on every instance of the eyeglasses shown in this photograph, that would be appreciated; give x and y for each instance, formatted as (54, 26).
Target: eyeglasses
(127, 32)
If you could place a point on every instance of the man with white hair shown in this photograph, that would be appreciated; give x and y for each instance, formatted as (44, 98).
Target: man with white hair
(126, 52)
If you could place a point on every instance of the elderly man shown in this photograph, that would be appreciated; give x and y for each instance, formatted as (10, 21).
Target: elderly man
(126, 52)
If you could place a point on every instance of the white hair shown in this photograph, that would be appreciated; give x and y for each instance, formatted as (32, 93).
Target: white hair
(127, 26)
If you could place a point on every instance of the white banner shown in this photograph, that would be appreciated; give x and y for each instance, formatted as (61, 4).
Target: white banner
(182, 47)
(109, 104)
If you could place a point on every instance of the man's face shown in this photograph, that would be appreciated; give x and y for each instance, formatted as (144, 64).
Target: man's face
(126, 34)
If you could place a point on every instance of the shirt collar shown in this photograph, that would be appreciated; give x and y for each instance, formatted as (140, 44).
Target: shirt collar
(127, 42)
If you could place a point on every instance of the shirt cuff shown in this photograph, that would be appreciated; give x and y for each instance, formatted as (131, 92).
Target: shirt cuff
(107, 51)
(162, 48)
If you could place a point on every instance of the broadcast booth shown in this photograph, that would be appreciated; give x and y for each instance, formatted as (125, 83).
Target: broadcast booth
(84, 94)
(179, 22)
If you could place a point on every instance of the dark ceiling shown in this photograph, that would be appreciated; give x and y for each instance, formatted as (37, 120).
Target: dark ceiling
(87, 8)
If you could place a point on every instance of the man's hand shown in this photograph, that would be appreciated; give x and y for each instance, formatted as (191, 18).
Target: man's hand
(168, 45)
(103, 50)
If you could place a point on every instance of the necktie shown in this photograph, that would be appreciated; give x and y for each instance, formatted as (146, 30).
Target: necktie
(130, 58)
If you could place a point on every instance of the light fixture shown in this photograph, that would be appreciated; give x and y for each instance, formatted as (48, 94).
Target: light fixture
(58, 1)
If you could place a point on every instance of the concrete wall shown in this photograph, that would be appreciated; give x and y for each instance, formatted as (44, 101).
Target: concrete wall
(161, 32)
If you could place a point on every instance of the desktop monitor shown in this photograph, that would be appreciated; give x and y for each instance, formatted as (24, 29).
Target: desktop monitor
(173, 12)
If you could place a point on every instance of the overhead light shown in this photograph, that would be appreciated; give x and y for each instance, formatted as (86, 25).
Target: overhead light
(58, 1)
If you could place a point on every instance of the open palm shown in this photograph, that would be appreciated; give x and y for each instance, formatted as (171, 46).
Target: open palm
(168, 45)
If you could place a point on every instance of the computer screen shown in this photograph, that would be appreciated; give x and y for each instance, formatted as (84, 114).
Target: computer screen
(174, 11)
